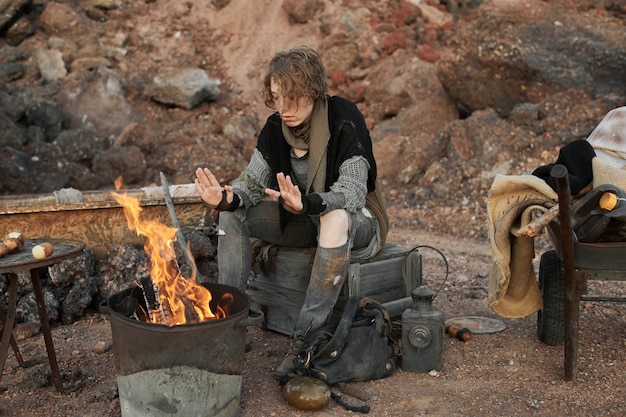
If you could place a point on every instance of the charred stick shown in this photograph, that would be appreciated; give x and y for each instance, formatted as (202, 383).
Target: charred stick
(145, 299)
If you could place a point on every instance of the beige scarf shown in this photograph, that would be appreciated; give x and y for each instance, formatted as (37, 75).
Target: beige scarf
(312, 136)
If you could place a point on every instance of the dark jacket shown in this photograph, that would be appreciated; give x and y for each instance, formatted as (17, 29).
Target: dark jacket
(349, 137)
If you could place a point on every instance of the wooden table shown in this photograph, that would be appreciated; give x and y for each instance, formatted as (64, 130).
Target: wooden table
(13, 263)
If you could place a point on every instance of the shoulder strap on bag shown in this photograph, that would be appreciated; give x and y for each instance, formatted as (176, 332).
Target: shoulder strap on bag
(343, 328)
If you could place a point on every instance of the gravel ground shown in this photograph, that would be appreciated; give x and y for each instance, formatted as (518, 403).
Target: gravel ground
(505, 373)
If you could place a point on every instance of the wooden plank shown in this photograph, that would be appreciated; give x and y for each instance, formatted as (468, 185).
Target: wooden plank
(278, 317)
(390, 250)
(293, 270)
(276, 294)
(413, 272)
(95, 217)
(98, 228)
(380, 280)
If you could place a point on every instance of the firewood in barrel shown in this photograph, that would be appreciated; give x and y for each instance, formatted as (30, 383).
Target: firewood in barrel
(14, 242)
(191, 316)
(43, 250)
(126, 306)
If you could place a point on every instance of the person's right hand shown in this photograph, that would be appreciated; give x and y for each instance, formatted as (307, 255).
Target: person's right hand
(210, 189)
(289, 194)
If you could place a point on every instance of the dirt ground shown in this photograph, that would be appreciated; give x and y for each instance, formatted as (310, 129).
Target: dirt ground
(509, 373)
(505, 373)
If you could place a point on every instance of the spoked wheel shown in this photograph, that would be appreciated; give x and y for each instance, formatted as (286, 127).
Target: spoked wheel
(551, 318)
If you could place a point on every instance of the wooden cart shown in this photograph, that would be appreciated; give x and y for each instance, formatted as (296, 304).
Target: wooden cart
(563, 276)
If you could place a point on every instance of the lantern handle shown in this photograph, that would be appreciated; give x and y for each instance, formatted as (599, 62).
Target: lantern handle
(419, 281)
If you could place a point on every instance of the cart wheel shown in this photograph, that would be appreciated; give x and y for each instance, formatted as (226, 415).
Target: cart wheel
(551, 319)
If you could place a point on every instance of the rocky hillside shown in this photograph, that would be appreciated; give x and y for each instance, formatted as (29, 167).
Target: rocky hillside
(454, 91)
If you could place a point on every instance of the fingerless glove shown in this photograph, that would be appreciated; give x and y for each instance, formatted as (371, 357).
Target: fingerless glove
(312, 204)
(225, 206)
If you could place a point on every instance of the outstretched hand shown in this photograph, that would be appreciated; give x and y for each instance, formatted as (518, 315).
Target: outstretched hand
(210, 189)
(289, 193)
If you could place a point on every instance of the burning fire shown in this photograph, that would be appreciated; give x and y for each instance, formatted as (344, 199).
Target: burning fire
(180, 300)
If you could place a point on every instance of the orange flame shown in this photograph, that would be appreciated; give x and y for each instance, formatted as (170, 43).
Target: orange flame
(181, 300)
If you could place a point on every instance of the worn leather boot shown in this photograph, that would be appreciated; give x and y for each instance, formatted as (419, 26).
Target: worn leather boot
(328, 274)
(287, 367)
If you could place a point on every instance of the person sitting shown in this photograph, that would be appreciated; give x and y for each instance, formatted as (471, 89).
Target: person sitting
(310, 182)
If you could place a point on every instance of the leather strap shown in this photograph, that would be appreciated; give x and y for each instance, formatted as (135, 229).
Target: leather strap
(343, 328)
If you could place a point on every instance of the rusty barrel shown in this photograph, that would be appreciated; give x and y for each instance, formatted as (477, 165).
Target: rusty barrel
(184, 370)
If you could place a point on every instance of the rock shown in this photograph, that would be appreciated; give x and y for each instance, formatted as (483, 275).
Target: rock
(11, 54)
(524, 114)
(81, 145)
(96, 101)
(200, 244)
(58, 18)
(121, 268)
(46, 115)
(529, 53)
(14, 166)
(10, 11)
(106, 4)
(96, 14)
(300, 11)
(101, 347)
(11, 71)
(126, 161)
(27, 329)
(19, 31)
(183, 87)
(13, 135)
(393, 42)
(79, 298)
(220, 4)
(51, 65)
(90, 63)
(27, 307)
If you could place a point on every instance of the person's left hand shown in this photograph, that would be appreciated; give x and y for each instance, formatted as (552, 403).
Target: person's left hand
(289, 193)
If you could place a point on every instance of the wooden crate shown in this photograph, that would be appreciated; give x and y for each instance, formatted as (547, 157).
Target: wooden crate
(279, 289)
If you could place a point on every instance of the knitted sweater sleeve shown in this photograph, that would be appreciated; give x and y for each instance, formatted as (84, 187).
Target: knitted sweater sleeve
(350, 189)
(251, 184)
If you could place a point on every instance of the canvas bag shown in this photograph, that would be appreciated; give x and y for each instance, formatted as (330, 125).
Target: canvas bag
(357, 348)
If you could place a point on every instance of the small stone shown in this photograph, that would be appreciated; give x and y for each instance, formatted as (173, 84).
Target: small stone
(100, 347)
(25, 330)
(113, 393)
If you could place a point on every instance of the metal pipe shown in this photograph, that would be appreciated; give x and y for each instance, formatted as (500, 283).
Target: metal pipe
(395, 308)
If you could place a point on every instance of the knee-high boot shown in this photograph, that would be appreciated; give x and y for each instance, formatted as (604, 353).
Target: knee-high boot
(330, 268)
(329, 272)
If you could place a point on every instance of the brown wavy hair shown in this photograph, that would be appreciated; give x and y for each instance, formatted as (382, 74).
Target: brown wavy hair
(299, 72)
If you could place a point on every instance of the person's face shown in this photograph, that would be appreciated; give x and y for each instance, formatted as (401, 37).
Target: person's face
(293, 110)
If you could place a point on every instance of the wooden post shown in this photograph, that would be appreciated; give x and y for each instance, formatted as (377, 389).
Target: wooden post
(572, 296)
